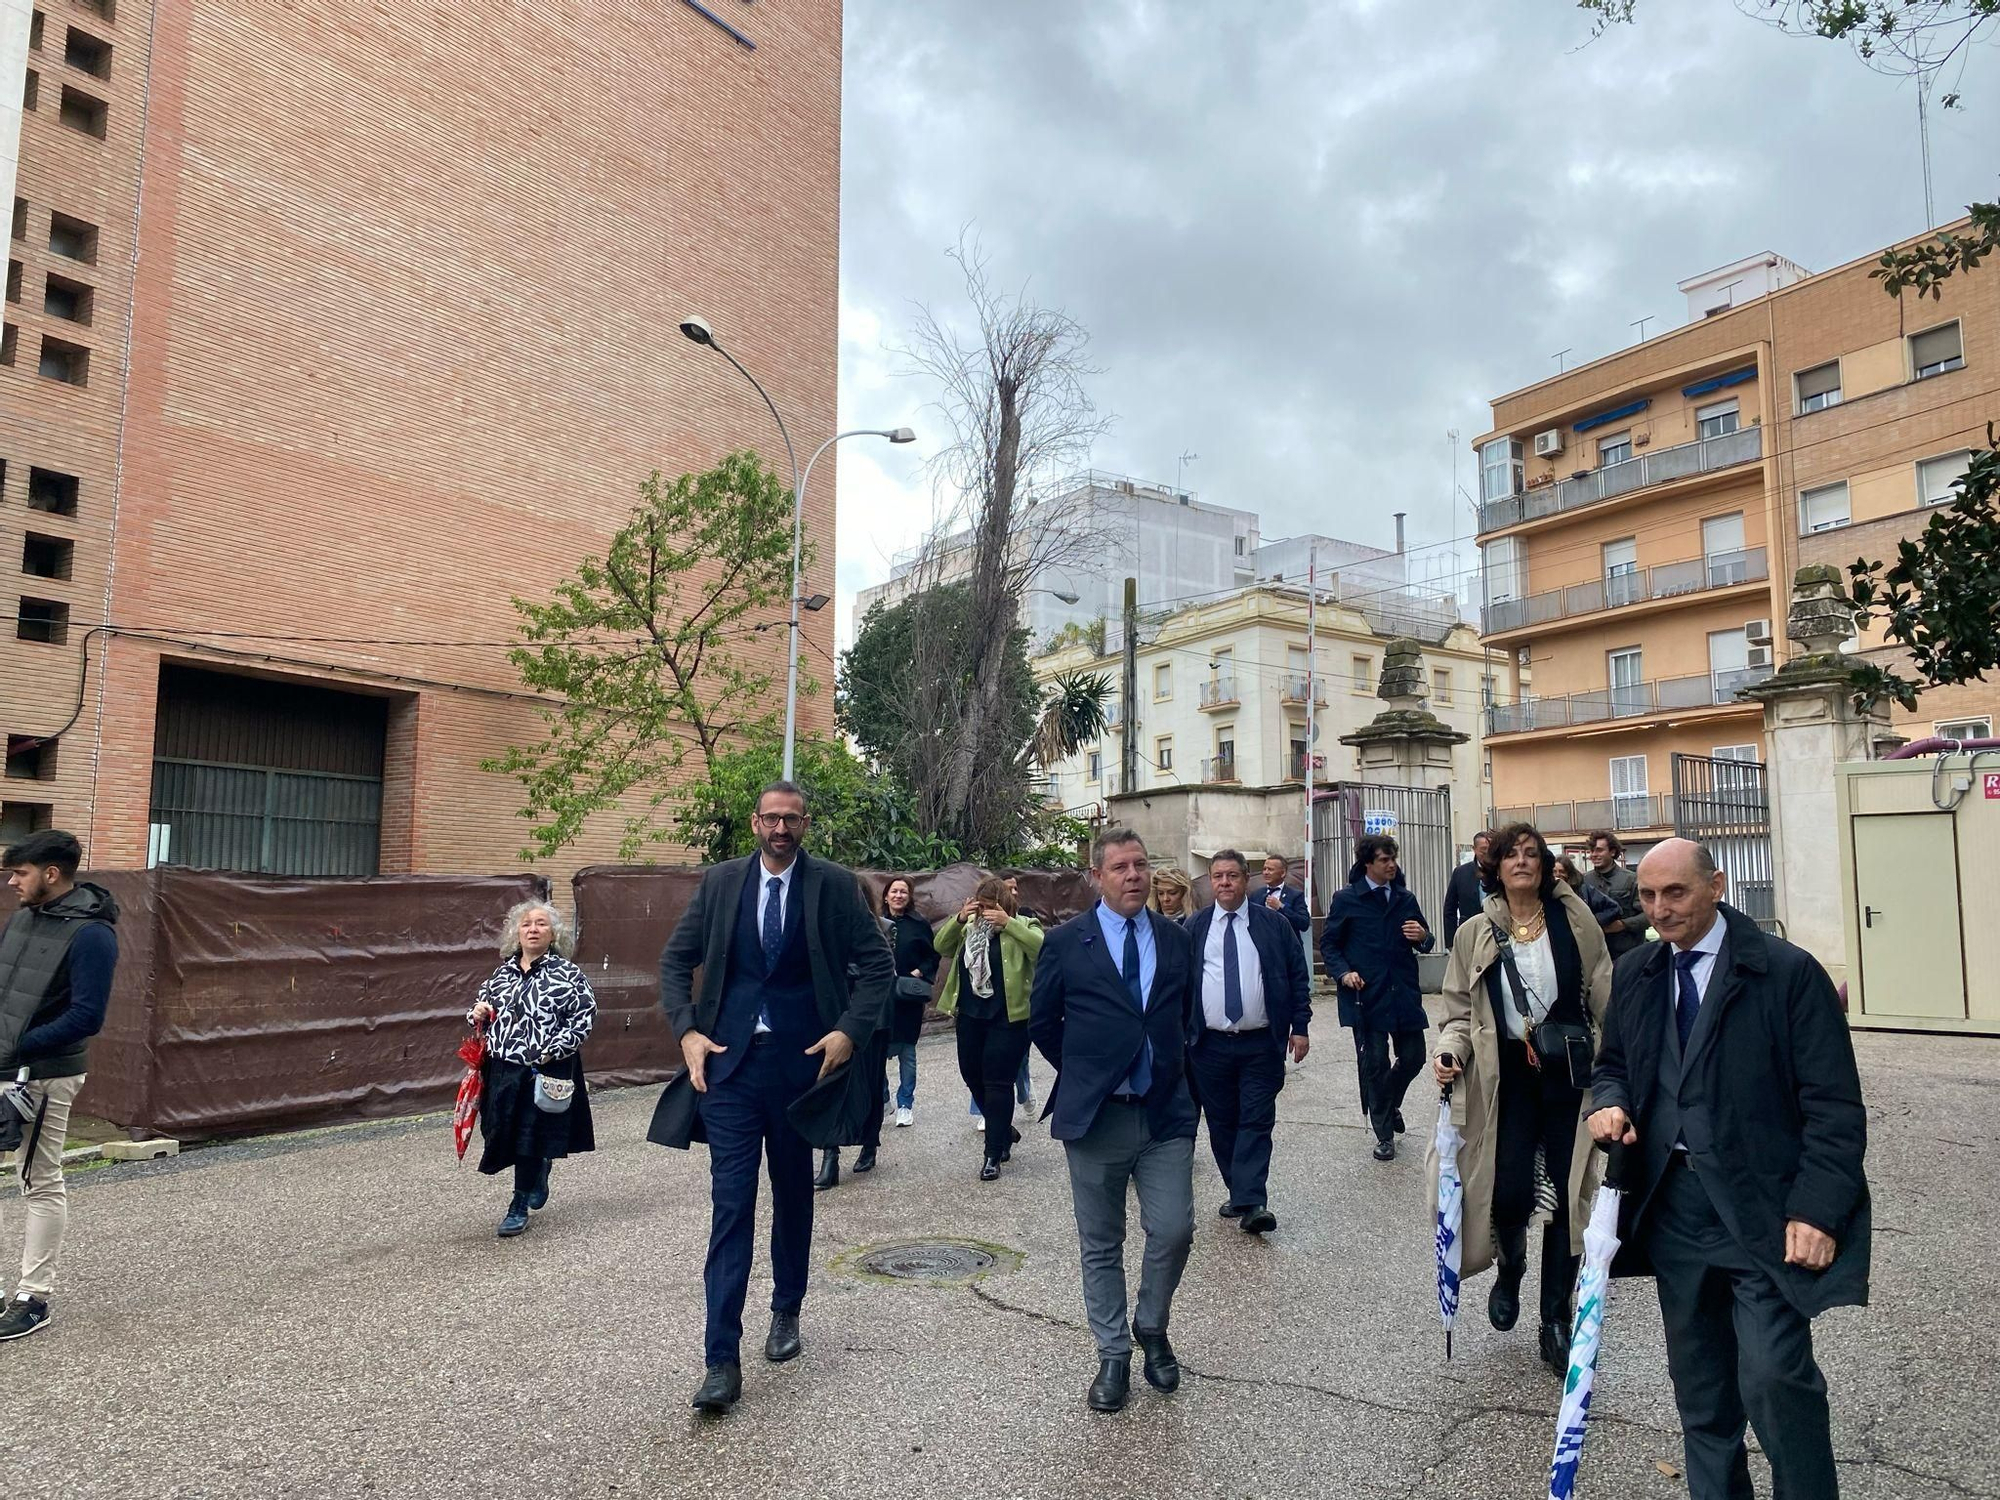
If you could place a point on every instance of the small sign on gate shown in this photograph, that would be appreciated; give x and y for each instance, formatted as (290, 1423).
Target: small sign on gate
(1991, 781)
(1381, 820)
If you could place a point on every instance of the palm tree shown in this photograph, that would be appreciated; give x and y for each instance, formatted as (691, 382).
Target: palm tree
(1076, 710)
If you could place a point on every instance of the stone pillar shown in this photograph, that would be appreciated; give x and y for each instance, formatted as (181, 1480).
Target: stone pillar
(1405, 744)
(1812, 725)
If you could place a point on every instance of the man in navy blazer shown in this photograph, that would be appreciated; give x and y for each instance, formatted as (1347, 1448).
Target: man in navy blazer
(1112, 1009)
(1252, 1005)
(1279, 898)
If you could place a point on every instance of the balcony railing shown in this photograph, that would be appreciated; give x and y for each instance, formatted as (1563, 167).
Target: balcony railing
(1633, 700)
(1618, 590)
(1294, 690)
(1658, 466)
(1296, 766)
(1634, 810)
(1218, 768)
(1114, 714)
(1219, 692)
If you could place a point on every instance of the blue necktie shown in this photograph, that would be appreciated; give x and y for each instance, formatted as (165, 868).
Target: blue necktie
(1232, 981)
(1687, 1002)
(1141, 1081)
(774, 922)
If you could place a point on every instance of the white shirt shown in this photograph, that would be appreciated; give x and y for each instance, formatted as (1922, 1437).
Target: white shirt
(1537, 963)
(1708, 945)
(1248, 969)
(765, 876)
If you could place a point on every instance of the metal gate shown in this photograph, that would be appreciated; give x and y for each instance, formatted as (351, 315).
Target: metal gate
(1418, 818)
(1724, 805)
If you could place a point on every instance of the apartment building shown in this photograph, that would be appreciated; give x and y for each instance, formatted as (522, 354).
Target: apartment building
(1220, 721)
(1642, 516)
(296, 395)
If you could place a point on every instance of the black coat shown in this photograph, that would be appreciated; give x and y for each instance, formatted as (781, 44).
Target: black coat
(1463, 898)
(1365, 936)
(1770, 1100)
(1281, 960)
(842, 937)
(1080, 1015)
(914, 949)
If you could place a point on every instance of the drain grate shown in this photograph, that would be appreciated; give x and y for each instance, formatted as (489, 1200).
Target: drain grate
(936, 1262)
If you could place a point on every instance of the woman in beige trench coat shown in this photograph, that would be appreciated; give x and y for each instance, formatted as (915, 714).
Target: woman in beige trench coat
(1506, 1102)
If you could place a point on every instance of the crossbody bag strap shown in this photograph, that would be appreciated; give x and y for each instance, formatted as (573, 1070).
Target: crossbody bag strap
(1515, 987)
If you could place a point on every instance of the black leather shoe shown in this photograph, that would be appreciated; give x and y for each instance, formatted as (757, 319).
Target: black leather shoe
(1399, 1122)
(719, 1388)
(517, 1216)
(1259, 1220)
(783, 1341)
(1555, 1347)
(1112, 1385)
(989, 1170)
(1163, 1371)
(539, 1198)
(1386, 1150)
(1230, 1211)
(865, 1162)
(829, 1171)
(1503, 1303)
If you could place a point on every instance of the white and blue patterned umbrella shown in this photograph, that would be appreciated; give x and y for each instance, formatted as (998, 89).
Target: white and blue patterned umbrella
(1450, 1216)
(1600, 1244)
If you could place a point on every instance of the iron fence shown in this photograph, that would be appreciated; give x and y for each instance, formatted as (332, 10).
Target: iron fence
(1725, 805)
(1418, 818)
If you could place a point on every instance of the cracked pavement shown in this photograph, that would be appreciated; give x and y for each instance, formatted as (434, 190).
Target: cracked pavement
(331, 1315)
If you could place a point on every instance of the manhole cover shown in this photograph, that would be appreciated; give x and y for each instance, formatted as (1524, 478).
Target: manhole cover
(935, 1262)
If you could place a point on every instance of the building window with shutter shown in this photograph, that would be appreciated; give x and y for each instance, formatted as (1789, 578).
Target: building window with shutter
(1936, 476)
(1819, 387)
(1936, 351)
(1824, 508)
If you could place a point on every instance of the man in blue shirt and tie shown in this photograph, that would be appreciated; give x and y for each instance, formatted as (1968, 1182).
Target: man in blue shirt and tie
(1113, 1009)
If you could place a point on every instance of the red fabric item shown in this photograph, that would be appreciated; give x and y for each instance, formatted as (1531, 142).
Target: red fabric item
(465, 1114)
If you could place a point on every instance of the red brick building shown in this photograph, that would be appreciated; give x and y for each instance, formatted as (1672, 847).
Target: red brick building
(339, 323)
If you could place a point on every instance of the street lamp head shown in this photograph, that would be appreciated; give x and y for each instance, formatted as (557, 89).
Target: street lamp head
(696, 330)
(902, 435)
(815, 602)
(1065, 597)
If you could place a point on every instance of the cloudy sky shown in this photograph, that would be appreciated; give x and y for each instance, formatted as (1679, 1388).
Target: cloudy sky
(1309, 241)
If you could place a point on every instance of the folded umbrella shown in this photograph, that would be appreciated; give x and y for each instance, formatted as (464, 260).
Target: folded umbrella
(465, 1113)
(1600, 1244)
(1450, 1216)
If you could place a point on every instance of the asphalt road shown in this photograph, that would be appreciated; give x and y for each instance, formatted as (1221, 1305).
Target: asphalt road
(333, 1316)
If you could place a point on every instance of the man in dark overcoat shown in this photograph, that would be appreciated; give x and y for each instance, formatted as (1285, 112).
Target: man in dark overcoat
(1727, 1068)
(775, 936)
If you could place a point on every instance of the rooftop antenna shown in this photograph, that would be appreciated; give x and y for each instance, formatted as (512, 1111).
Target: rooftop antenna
(1924, 142)
(1179, 464)
(1640, 324)
(1561, 368)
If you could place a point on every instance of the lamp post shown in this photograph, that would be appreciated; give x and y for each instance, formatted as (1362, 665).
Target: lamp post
(696, 330)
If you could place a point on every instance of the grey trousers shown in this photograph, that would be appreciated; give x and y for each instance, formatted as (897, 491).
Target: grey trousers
(1119, 1148)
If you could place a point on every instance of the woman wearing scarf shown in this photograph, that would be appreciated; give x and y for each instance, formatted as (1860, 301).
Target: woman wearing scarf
(991, 949)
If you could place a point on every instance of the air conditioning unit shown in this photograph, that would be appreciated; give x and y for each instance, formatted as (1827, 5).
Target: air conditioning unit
(1549, 444)
(1757, 632)
(1760, 657)
(1522, 657)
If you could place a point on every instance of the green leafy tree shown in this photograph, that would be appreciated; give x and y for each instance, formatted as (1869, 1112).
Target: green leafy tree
(1076, 710)
(654, 650)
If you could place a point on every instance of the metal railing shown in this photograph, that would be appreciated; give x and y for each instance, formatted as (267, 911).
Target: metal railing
(1219, 692)
(1631, 700)
(1218, 768)
(1658, 466)
(1619, 590)
(1294, 689)
(1624, 812)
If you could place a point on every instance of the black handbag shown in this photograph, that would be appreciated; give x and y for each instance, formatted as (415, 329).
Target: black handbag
(909, 987)
(1563, 1044)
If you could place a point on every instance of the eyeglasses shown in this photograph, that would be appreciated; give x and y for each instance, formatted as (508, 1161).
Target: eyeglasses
(790, 822)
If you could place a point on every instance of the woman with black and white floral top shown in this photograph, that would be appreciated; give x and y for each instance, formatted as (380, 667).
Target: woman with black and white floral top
(537, 1008)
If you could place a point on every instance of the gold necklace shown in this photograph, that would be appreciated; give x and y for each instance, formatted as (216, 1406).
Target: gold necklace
(1528, 931)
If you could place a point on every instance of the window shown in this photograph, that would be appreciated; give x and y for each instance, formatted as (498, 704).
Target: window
(1486, 690)
(87, 54)
(52, 492)
(1504, 569)
(1621, 572)
(46, 556)
(84, 112)
(1163, 752)
(19, 819)
(1722, 550)
(1818, 387)
(71, 301)
(1094, 770)
(1225, 746)
(1440, 684)
(1630, 804)
(31, 90)
(20, 218)
(64, 361)
(1824, 508)
(1717, 420)
(1163, 681)
(1936, 352)
(44, 620)
(1616, 449)
(1935, 477)
(30, 759)
(1500, 469)
(1242, 544)
(1964, 729)
(1626, 672)
(13, 281)
(1728, 663)
(35, 33)
(73, 239)
(108, 9)
(10, 339)
(1735, 752)
(1363, 670)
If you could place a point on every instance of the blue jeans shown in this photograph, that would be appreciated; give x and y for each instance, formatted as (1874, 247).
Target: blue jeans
(905, 1054)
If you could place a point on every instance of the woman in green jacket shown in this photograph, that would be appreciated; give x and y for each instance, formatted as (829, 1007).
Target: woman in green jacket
(991, 949)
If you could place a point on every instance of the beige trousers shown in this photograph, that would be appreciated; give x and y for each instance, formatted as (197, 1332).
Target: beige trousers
(42, 1187)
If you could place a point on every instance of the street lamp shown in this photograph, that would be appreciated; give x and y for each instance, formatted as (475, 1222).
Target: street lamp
(697, 331)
